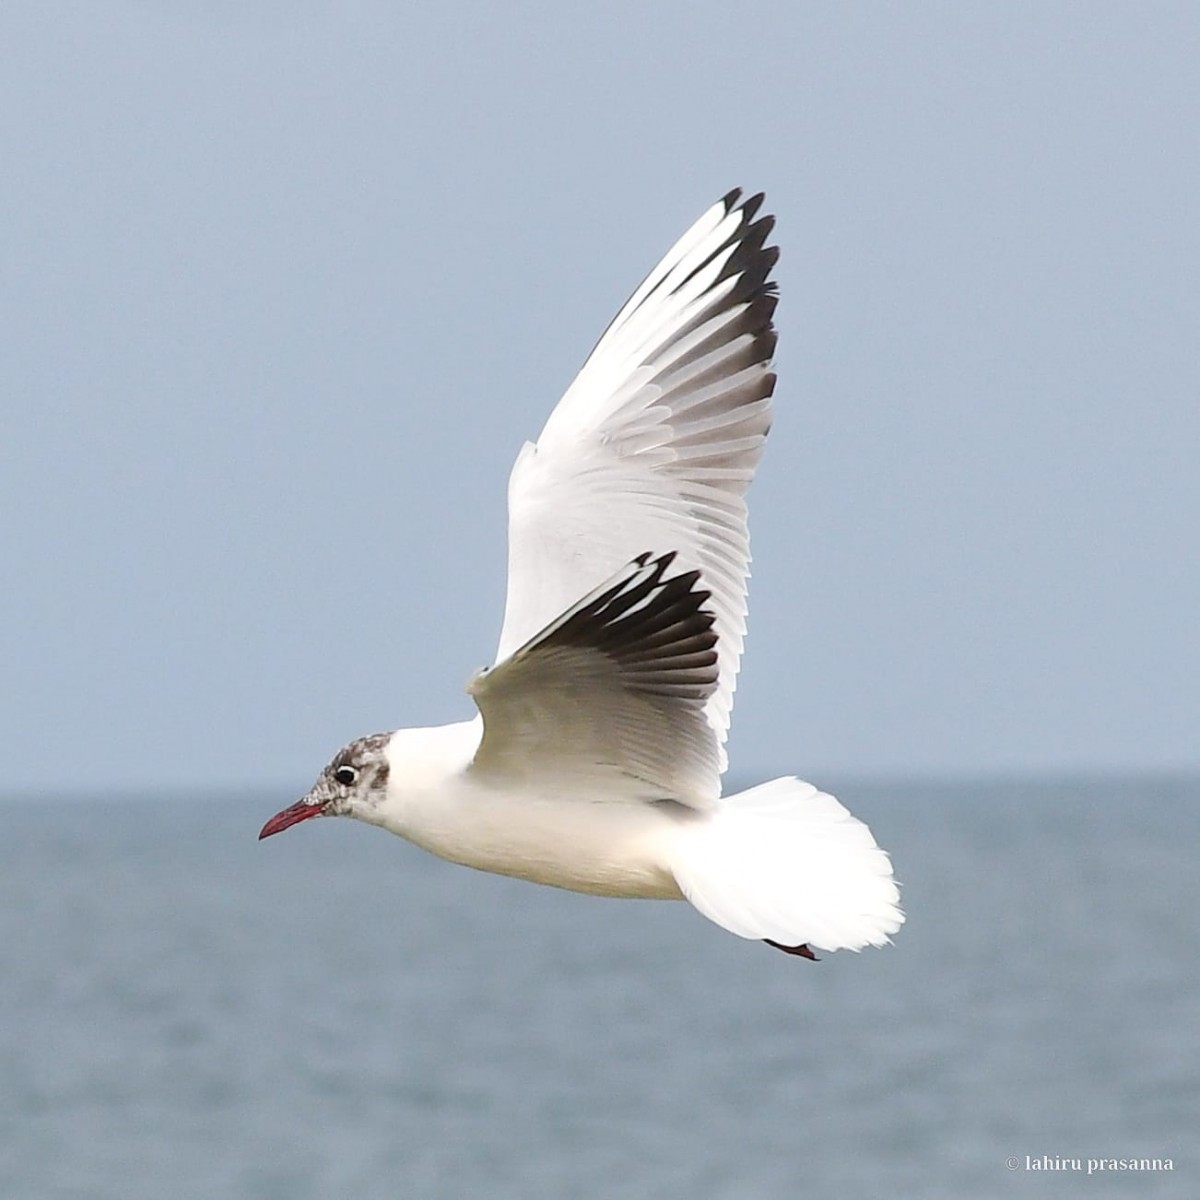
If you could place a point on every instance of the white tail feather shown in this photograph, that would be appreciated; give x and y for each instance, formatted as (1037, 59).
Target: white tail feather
(787, 863)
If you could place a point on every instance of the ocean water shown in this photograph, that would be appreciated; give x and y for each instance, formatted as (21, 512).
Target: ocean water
(187, 1013)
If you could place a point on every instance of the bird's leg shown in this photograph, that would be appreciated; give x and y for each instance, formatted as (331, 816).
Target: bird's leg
(802, 950)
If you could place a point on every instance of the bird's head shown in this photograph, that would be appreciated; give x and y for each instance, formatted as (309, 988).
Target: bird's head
(352, 785)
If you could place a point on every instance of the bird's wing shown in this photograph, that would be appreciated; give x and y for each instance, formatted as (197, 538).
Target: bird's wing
(612, 692)
(655, 442)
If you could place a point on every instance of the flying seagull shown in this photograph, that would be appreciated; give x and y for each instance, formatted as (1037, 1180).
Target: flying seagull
(595, 760)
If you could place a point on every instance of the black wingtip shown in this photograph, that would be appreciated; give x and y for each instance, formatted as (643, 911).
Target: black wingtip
(749, 205)
(731, 198)
(654, 625)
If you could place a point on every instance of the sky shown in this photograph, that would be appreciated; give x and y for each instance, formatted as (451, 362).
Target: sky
(284, 287)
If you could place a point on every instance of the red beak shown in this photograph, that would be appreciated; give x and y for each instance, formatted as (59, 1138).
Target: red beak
(300, 811)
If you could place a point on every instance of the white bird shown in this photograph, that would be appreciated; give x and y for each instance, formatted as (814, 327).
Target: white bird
(595, 760)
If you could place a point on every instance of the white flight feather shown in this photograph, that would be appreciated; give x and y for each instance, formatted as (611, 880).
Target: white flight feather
(644, 454)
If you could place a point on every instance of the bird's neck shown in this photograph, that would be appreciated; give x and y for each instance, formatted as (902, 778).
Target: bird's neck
(425, 765)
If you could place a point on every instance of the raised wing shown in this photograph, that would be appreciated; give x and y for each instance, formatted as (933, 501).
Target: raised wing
(615, 687)
(656, 441)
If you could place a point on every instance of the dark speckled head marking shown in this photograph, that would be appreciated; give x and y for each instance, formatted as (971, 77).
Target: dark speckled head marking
(354, 781)
(362, 754)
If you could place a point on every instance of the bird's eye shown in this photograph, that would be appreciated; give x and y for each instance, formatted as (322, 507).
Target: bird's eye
(346, 776)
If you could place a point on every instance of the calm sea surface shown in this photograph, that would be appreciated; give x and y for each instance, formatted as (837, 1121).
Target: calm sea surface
(186, 1013)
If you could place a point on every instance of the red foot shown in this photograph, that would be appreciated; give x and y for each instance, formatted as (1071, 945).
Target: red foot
(802, 950)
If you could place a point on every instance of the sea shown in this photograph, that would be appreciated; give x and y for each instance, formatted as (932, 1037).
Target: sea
(187, 1013)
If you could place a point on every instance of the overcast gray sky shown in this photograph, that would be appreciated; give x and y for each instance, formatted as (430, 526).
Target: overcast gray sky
(285, 286)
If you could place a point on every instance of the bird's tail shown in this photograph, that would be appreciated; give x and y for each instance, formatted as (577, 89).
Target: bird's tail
(785, 863)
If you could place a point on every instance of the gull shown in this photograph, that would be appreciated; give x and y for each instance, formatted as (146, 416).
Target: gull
(594, 762)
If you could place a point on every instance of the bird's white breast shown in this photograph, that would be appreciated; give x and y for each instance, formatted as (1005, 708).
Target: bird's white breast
(551, 832)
